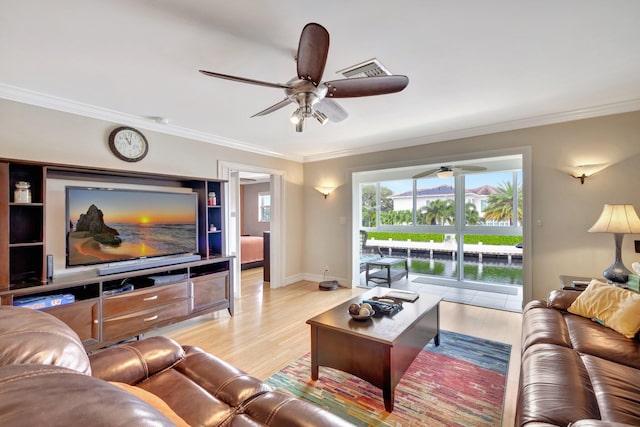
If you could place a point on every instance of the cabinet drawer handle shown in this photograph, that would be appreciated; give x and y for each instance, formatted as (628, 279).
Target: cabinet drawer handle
(150, 298)
(149, 319)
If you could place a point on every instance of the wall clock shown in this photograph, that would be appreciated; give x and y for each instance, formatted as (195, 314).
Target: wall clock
(128, 144)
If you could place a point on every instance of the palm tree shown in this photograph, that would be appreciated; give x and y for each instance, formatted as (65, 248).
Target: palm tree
(500, 205)
(471, 214)
(439, 212)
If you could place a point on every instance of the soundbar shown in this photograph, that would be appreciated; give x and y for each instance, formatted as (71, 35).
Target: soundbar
(144, 264)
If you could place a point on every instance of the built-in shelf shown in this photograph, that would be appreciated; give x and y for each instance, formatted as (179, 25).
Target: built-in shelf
(98, 315)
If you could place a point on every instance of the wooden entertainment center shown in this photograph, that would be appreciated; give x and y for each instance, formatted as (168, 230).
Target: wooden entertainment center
(112, 307)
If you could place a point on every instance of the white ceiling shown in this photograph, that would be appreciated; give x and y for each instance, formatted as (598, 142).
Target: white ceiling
(474, 66)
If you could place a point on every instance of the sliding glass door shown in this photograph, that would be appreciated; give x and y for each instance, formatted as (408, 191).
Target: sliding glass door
(466, 226)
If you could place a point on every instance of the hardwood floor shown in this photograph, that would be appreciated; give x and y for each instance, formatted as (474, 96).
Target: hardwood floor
(268, 330)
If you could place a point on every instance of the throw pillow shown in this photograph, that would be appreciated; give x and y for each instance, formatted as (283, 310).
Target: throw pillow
(153, 400)
(616, 308)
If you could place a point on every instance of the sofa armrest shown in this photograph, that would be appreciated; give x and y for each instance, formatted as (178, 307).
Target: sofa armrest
(45, 395)
(136, 361)
(36, 337)
(561, 299)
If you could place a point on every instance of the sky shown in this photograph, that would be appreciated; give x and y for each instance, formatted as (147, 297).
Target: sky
(133, 206)
(472, 181)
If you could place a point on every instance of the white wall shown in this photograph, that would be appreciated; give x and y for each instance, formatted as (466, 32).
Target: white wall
(565, 209)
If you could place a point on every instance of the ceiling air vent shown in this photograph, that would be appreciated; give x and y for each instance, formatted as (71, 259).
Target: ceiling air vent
(371, 68)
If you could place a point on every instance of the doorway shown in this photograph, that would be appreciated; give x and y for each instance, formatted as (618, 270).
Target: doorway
(235, 173)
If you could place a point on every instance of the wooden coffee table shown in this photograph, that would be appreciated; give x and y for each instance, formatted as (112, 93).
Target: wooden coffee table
(378, 350)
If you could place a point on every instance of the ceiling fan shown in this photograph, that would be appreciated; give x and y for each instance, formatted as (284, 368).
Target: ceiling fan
(449, 171)
(314, 97)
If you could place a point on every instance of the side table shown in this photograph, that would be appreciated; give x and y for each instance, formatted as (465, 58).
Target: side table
(384, 271)
(575, 283)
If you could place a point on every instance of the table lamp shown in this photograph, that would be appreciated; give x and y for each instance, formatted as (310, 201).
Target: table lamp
(619, 220)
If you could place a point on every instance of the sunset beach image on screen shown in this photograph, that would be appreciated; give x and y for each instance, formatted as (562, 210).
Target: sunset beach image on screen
(109, 225)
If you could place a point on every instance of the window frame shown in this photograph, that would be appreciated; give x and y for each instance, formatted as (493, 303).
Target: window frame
(264, 195)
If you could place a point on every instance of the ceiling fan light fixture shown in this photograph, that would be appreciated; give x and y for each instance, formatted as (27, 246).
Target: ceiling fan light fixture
(300, 125)
(443, 174)
(322, 118)
(296, 116)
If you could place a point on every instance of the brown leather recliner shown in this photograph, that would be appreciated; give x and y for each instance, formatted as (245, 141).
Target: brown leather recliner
(46, 378)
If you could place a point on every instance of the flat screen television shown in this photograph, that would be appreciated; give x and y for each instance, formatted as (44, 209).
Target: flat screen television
(112, 225)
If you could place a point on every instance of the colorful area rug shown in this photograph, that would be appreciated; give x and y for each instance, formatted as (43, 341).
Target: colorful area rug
(459, 383)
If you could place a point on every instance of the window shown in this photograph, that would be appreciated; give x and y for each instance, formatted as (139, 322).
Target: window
(467, 227)
(264, 206)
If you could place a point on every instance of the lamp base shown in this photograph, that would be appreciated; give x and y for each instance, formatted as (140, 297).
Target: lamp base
(617, 273)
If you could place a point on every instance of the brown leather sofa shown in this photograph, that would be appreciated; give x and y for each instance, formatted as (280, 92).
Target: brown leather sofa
(47, 379)
(575, 371)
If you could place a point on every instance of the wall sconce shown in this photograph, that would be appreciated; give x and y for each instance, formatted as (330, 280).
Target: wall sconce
(583, 172)
(325, 191)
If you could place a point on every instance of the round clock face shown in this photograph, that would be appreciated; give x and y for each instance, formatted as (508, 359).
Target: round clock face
(128, 144)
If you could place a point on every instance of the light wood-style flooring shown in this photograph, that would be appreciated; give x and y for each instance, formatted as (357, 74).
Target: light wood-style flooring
(268, 330)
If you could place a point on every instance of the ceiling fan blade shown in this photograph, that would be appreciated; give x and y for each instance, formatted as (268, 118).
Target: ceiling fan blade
(313, 49)
(244, 80)
(470, 168)
(366, 86)
(332, 110)
(426, 173)
(273, 108)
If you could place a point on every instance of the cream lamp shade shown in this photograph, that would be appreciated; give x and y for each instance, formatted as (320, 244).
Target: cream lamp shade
(618, 220)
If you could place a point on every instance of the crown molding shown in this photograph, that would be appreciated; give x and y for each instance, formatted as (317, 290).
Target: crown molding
(546, 119)
(26, 96)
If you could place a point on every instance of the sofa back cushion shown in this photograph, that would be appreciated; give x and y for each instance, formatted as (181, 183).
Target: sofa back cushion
(34, 337)
(135, 361)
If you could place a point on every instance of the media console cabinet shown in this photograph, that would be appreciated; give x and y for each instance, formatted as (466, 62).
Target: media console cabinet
(112, 307)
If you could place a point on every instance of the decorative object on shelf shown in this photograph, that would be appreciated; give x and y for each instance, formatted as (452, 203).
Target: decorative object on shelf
(325, 191)
(128, 144)
(212, 227)
(22, 193)
(211, 200)
(619, 220)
